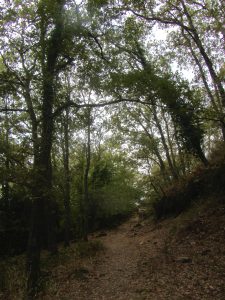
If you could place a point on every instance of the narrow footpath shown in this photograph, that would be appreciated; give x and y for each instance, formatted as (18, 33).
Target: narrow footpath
(141, 261)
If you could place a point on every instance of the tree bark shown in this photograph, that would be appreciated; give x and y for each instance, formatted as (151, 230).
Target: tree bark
(67, 226)
(44, 210)
(158, 125)
(86, 203)
(217, 109)
(194, 35)
(5, 185)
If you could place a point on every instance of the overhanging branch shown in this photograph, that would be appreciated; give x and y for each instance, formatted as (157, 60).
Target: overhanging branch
(163, 21)
(5, 109)
(92, 105)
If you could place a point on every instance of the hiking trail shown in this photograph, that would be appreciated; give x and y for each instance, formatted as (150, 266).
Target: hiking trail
(140, 261)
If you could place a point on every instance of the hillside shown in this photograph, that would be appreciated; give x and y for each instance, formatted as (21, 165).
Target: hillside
(181, 258)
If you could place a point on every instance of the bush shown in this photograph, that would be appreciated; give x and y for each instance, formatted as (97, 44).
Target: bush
(179, 196)
(176, 200)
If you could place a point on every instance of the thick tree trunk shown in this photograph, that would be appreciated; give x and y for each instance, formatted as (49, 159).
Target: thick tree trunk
(35, 243)
(44, 208)
(45, 156)
(200, 154)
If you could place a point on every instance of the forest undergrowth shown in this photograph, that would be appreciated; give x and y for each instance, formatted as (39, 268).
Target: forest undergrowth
(175, 258)
(176, 252)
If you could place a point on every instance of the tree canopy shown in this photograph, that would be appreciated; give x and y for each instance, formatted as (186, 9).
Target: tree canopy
(104, 104)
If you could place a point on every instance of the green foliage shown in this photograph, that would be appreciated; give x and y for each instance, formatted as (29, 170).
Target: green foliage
(102, 173)
(113, 193)
(14, 197)
(132, 31)
(179, 100)
(97, 3)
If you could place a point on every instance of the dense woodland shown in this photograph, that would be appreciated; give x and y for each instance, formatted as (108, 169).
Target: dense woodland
(105, 105)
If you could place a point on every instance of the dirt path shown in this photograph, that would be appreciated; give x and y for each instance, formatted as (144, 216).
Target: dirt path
(140, 262)
(119, 273)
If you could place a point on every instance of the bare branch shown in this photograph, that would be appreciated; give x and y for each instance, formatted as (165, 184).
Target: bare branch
(163, 21)
(99, 45)
(5, 109)
(203, 6)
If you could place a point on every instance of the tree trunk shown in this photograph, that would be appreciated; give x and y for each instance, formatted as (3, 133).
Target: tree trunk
(217, 109)
(5, 185)
(180, 154)
(194, 35)
(170, 143)
(67, 226)
(44, 210)
(35, 243)
(86, 203)
(158, 125)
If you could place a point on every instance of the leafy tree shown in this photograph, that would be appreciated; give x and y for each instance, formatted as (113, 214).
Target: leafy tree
(79, 162)
(193, 39)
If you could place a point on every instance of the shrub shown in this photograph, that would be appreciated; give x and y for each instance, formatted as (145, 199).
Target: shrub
(179, 196)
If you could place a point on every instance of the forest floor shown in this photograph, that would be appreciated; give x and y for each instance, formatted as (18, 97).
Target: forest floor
(181, 258)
